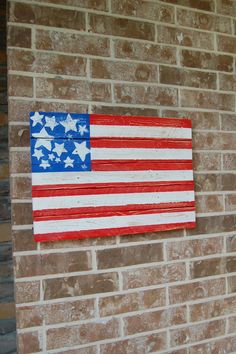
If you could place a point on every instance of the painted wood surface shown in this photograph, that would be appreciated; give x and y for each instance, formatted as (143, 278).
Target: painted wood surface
(99, 175)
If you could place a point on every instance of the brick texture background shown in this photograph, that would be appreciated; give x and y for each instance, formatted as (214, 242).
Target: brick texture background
(170, 292)
(7, 307)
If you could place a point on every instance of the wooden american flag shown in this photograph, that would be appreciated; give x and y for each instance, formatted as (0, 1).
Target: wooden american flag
(99, 175)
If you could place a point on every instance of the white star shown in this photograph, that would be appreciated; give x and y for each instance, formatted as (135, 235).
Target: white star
(42, 134)
(51, 157)
(37, 118)
(59, 149)
(81, 150)
(43, 142)
(57, 159)
(51, 122)
(69, 123)
(68, 162)
(38, 153)
(44, 164)
(84, 166)
(82, 129)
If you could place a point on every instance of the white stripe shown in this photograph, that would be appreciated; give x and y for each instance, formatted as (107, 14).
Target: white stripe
(43, 227)
(76, 201)
(140, 154)
(124, 131)
(40, 179)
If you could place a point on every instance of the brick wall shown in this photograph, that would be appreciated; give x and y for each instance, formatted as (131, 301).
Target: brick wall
(7, 307)
(170, 292)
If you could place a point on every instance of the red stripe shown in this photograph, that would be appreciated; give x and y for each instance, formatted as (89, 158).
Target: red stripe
(104, 119)
(129, 188)
(101, 185)
(110, 232)
(140, 143)
(140, 165)
(102, 211)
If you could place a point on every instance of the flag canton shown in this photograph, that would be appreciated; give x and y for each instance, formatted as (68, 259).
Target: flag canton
(60, 142)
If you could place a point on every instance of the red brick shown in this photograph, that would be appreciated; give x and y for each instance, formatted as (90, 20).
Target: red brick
(29, 316)
(231, 244)
(150, 321)
(230, 202)
(209, 203)
(227, 82)
(183, 77)
(21, 213)
(206, 161)
(231, 284)
(196, 290)
(232, 324)
(100, 5)
(32, 265)
(185, 37)
(21, 187)
(21, 86)
(226, 345)
(213, 224)
(19, 37)
(226, 44)
(229, 161)
(206, 5)
(125, 111)
(20, 162)
(29, 342)
(207, 267)
(19, 110)
(211, 182)
(121, 27)
(23, 240)
(32, 316)
(46, 63)
(214, 141)
(80, 285)
(153, 275)
(27, 291)
(127, 256)
(72, 43)
(111, 70)
(209, 100)
(141, 300)
(197, 332)
(46, 16)
(194, 248)
(226, 7)
(145, 95)
(228, 122)
(19, 135)
(205, 60)
(200, 120)
(203, 21)
(82, 334)
(230, 264)
(144, 344)
(211, 309)
(98, 241)
(150, 236)
(72, 90)
(146, 10)
(144, 51)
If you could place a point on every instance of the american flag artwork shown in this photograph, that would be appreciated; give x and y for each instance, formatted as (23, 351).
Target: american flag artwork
(97, 175)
